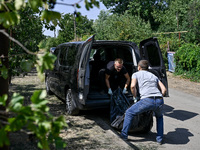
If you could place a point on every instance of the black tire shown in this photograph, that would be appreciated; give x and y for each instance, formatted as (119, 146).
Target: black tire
(70, 104)
(49, 92)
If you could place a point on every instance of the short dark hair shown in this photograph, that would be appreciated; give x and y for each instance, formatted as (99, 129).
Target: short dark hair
(119, 60)
(144, 64)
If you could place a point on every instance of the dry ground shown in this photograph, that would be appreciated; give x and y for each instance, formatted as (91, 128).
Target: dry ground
(184, 85)
(89, 130)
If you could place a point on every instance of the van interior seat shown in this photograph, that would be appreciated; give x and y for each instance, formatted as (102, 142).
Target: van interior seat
(96, 65)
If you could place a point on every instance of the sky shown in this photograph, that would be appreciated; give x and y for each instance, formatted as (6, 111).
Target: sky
(91, 14)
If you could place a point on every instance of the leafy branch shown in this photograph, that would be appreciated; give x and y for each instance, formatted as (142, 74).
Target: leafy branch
(34, 118)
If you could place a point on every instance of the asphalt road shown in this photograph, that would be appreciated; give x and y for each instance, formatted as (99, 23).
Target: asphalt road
(181, 125)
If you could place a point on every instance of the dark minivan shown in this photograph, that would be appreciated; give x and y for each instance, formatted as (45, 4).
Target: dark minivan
(75, 77)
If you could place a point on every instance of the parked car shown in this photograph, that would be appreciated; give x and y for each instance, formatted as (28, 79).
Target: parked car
(74, 78)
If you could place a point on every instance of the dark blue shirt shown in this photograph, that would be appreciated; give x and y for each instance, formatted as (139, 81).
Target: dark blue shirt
(110, 70)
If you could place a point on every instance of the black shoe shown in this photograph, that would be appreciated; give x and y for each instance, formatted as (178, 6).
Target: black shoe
(160, 142)
(123, 138)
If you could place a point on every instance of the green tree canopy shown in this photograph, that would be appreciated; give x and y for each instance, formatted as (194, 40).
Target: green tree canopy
(121, 27)
(68, 25)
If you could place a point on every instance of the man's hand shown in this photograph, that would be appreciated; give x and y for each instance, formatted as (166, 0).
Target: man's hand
(110, 91)
(124, 90)
(135, 99)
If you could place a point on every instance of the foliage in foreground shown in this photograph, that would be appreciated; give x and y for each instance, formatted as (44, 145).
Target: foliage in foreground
(35, 118)
(187, 60)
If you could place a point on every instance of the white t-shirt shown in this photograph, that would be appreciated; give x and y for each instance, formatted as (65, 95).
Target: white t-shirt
(148, 84)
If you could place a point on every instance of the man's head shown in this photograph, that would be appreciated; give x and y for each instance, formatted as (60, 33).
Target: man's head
(143, 65)
(118, 64)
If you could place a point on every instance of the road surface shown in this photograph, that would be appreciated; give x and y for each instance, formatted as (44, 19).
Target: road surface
(181, 125)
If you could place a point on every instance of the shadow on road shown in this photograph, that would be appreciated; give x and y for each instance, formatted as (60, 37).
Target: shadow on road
(178, 114)
(179, 136)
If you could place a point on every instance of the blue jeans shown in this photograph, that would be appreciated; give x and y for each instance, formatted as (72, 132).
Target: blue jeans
(146, 104)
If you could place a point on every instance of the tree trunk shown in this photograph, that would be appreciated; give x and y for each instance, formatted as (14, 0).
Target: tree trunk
(4, 46)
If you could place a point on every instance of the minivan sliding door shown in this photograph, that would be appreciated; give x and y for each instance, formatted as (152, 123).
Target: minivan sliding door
(84, 72)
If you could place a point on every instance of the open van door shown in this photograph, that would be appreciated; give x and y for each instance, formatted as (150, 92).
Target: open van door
(83, 70)
(150, 50)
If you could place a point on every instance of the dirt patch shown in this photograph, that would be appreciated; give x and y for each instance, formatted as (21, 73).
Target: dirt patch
(89, 130)
(184, 85)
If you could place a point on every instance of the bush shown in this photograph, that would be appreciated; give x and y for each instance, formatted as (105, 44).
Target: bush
(187, 60)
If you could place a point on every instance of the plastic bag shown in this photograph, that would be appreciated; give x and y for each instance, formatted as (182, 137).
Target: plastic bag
(119, 104)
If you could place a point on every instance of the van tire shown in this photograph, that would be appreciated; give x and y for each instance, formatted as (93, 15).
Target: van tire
(49, 92)
(70, 103)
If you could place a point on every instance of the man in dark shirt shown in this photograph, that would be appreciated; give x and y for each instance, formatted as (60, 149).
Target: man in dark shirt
(116, 76)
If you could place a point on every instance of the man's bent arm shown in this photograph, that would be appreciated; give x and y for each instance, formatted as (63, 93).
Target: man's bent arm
(133, 87)
(127, 80)
(107, 80)
(163, 88)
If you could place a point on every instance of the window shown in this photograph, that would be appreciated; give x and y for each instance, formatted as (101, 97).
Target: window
(56, 52)
(153, 55)
(62, 58)
(71, 55)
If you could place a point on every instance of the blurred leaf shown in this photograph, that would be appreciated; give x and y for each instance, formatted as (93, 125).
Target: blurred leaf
(4, 72)
(9, 18)
(5, 139)
(38, 96)
(35, 4)
(26, 65)
(50, 16)
(16, 102)
(19, 4)
(3, 99)
(45, 62)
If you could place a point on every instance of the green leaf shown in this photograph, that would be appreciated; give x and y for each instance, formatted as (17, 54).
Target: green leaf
(4, 140)
(38, 96)
(3, 99)
(9, 18)
(26, 65)
(35, 4)
(4, 72)
(45, 62)
(19, 4)
(16, 102)
(50, 16)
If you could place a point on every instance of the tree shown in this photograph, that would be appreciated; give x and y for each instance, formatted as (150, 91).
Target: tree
(45, 126)
(193, 22)
(143, 9)
(67, 32)
(121, 27)
(116, 6)
(181, 15)
(29, 32)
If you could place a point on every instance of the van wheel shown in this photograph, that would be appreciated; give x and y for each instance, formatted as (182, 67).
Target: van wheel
(70, 103)
(49, 92)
